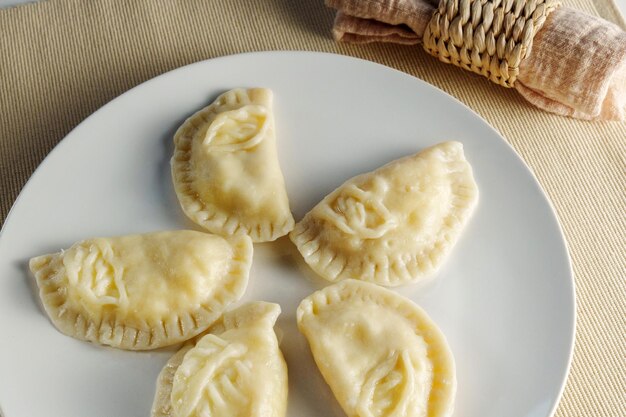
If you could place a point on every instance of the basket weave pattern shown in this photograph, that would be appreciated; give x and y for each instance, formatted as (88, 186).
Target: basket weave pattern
(488, 37)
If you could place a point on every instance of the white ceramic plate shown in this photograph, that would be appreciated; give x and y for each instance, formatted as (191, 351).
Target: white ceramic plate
(504, 299)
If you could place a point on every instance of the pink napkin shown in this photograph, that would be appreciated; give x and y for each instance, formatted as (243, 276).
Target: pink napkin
(576, 66)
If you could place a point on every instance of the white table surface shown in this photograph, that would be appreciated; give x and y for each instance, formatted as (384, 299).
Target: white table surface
(4, 3)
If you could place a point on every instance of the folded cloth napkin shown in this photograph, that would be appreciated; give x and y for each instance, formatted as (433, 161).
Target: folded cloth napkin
(561, 60)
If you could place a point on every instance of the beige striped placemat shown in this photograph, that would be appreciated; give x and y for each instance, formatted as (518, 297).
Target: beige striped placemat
(60, 60)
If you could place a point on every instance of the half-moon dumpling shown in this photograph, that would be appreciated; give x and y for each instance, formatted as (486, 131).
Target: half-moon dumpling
(143, 291)
(394, 225)
(235, 370)
(380, 353)
(225, 168)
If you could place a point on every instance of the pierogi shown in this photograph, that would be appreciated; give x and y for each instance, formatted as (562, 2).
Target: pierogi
(143, 291)
(394, 225)
(225, 167)
(380, 353)
(235, 370)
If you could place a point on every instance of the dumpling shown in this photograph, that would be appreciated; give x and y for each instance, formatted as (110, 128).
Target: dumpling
(394, 225)
(380, 353)
(236, 370)
(143, 291)
(225, 168)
